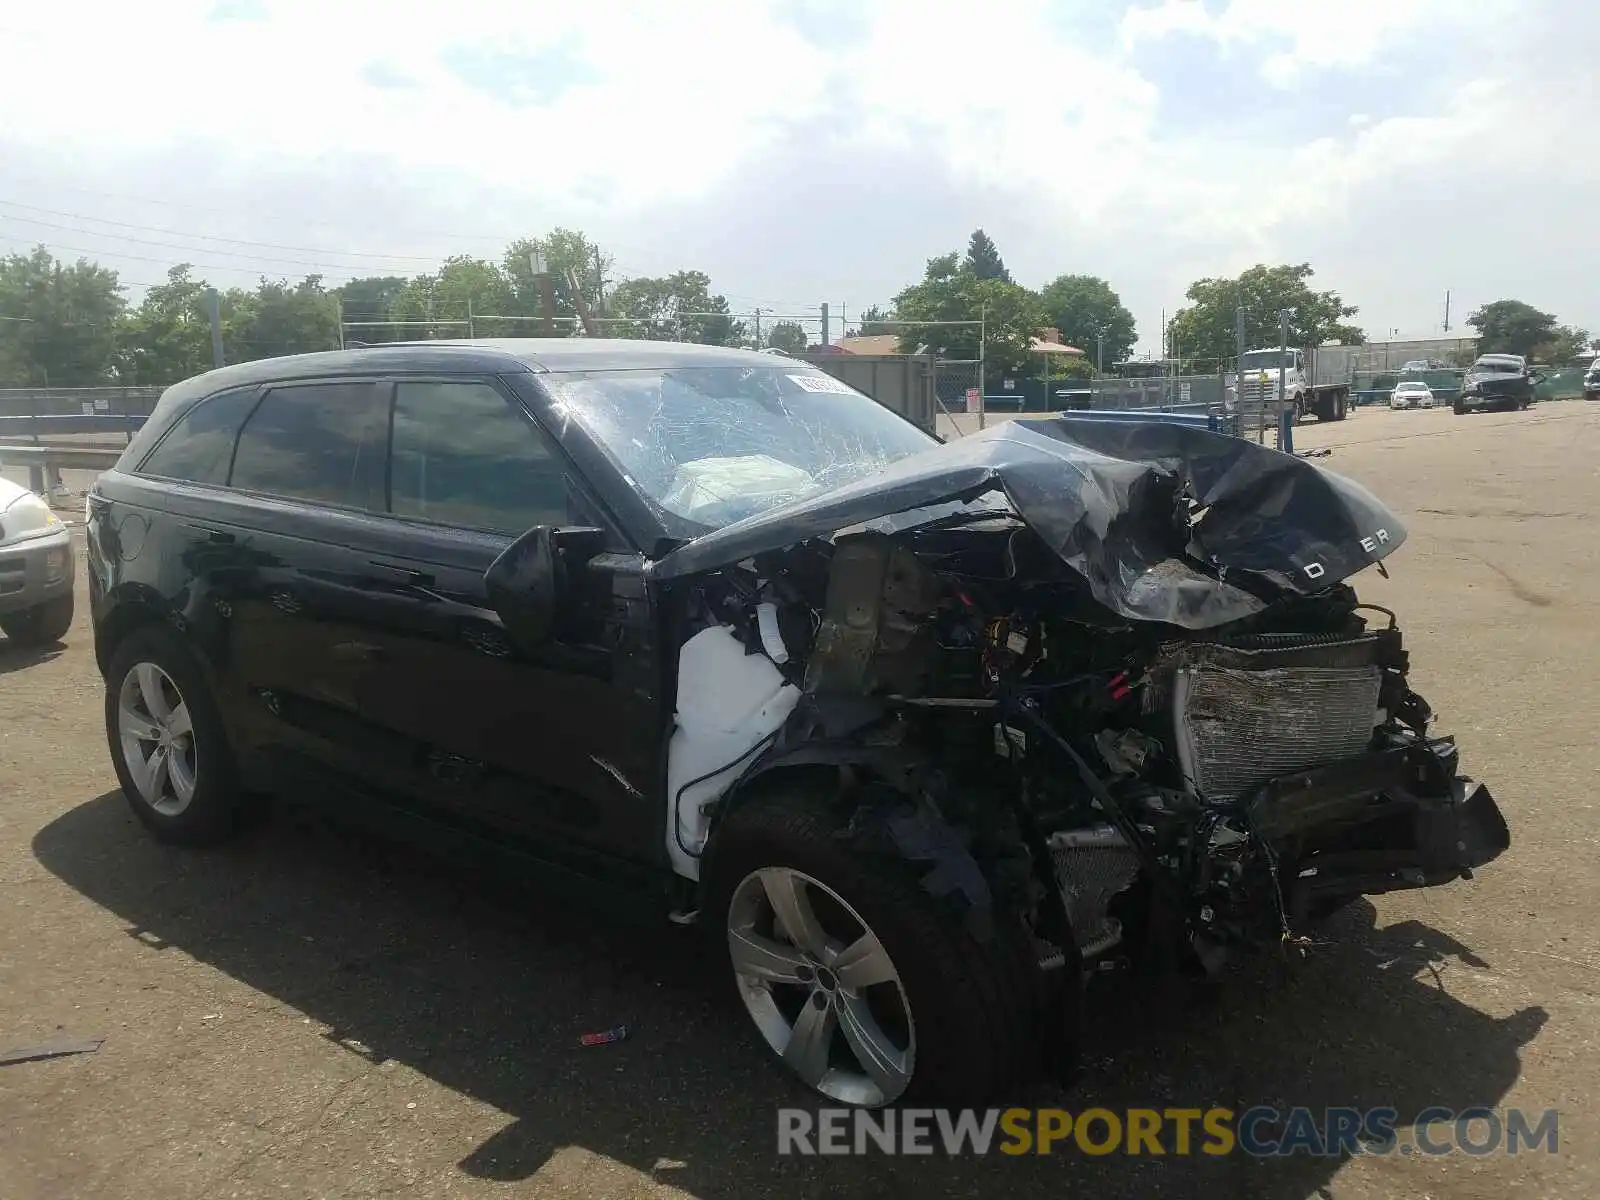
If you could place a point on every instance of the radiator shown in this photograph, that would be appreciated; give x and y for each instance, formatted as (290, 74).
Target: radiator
(1245, 715)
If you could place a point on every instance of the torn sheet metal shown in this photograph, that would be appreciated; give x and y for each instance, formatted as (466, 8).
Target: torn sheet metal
(1112, 500)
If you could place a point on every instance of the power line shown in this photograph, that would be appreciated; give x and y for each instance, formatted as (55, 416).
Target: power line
(344, 276)
(206, 237)
(499, 238)
(123, 237)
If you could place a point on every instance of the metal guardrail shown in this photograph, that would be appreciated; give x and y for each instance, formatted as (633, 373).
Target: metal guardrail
(36, 427)
(45, 463)
(1211, 420)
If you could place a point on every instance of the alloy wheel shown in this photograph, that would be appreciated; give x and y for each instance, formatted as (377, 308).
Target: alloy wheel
(157, 738)
(821, 987)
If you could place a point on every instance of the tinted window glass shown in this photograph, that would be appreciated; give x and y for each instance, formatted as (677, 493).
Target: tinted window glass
(463, 457)
(322, 442)
(199, 447)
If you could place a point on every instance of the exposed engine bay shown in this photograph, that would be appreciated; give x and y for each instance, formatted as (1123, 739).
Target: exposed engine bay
(1011, 720)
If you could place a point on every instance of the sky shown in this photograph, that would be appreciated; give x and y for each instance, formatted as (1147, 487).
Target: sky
(803, 151)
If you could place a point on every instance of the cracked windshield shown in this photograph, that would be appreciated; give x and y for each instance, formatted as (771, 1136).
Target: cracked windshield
(714, 445)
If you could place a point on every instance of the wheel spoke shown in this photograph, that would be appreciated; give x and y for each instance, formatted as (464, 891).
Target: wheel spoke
(178, 721)
(156, 774)
(763, 958)
(182, 775)
(135, 724)
(155, 701)
(863, 963)
(786, 893)
(884, 1062)
(809, 1042)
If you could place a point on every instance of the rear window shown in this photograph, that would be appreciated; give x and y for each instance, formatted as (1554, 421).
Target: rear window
(323, 442)
(199, 447)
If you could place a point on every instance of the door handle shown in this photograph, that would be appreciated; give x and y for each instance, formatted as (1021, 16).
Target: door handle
(217, 536)
(409, 575)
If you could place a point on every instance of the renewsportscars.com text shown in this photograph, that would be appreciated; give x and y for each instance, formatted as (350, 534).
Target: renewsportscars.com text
(1260, 1132)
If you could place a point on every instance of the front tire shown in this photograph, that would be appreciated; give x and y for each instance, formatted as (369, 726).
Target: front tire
(42, 625)
(854, 976)
(168, 742)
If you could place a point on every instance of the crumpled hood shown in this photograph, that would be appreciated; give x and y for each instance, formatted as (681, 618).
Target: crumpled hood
(1106, 497)
(1493, 381)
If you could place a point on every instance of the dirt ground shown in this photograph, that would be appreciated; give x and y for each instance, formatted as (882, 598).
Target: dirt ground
(310, 1014)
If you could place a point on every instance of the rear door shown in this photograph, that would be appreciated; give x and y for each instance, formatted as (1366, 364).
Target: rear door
(561, 745)
(269, 555)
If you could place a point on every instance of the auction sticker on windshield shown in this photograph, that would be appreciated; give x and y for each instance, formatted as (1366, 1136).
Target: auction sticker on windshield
(822, 383)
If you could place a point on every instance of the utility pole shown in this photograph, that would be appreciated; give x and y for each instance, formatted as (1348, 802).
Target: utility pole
(1285, 416)
(824, 323)
(1238, 367)
(547, 291)
(983, 347)
(1100, 353)
(758, 329)
(590, 328)
(214, 315)
(599, 285)
(471, 331)
(1447, 311)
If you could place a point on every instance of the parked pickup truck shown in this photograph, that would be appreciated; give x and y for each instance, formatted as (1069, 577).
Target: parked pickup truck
(1312, 385)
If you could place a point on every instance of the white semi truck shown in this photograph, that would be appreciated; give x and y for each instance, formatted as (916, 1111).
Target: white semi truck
(1316, 381)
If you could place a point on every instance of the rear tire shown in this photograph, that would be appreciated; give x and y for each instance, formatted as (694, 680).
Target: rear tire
(168, 741)
(971, 1007)
(42, 625)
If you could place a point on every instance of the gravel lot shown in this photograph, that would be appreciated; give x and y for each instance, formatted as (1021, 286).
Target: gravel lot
(308, 1013)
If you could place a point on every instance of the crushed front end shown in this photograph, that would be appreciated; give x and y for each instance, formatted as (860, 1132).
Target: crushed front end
(1114, 689)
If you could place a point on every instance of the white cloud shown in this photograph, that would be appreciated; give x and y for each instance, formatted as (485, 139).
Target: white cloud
(1294, 40)
(1020, 117)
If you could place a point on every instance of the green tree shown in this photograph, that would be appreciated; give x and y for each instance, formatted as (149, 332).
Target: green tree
(1012, 316)
(1512, 327)
(788, 337)
(983, 258)
(872, 322)
(1205, 329)
(1565, 344)
(677, 307)
(168, 337)
(561, 251)
(282, 318)
(58, 323)
(1090, 316)
(371, 299)
(462, 288)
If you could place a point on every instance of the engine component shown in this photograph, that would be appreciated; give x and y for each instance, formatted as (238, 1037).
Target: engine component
(1091, 866)
(1245, 715)
(879, 597)
(729, 703)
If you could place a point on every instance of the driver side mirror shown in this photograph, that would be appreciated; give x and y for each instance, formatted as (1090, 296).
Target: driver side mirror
(527, 583)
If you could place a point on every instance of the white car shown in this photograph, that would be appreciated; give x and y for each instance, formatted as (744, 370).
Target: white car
(36, 569)
(1413, 393)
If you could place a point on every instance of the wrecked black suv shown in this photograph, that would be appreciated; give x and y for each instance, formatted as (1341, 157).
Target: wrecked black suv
(923, 733)
(1495, 382)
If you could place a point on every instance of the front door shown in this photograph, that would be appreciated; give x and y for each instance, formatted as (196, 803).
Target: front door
(559, 744)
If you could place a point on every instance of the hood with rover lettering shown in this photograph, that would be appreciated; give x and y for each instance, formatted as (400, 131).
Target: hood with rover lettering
(1165, 522)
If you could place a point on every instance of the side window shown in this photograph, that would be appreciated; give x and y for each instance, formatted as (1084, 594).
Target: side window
(321, 441)
(199, 447)
(462, 457)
